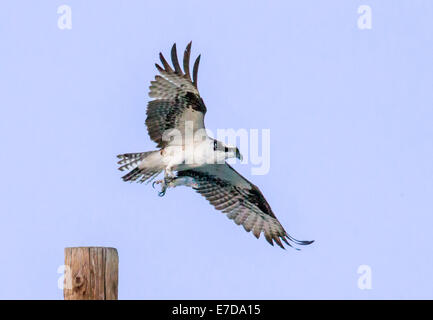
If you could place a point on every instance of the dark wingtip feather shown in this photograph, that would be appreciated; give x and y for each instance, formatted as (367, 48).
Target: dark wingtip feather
(176, 65)
(159, 67)
(269, 239)
(195, 70)
(278, 241)
(300, 242)
(306, 242)
(165, 63)
(288, 239)
(186, 57)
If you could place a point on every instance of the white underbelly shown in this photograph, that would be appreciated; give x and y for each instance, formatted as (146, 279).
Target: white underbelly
(191, 156)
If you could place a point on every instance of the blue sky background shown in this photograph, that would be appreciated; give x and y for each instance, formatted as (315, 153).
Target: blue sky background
(350, 113)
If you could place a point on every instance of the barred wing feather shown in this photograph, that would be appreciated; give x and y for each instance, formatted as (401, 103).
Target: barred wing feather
(176, 98)
(242, 201)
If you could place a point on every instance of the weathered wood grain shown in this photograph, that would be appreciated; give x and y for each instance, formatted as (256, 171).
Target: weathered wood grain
(111, 274)
(91, 273)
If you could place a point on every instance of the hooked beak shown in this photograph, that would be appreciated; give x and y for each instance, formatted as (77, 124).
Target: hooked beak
(238, 155)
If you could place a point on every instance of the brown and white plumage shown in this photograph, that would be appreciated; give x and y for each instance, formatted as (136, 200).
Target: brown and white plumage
(176, 101)
(242, 201)
(176, 98)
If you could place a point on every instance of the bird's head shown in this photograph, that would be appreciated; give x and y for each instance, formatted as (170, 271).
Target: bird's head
(227, 150)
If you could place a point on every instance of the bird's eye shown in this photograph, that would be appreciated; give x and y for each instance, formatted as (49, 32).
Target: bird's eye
(214, 145)
(226, 149)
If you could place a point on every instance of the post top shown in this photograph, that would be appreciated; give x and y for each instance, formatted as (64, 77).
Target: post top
(110, 248)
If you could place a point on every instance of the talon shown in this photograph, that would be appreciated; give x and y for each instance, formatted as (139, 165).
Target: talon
(164, 185)
(156, 182)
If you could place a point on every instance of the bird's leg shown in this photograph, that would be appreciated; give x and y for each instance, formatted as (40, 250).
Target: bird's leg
(163, 190)
(168, 174)
(163, 187)
(174, 182)
(169, 177)
(165, 184)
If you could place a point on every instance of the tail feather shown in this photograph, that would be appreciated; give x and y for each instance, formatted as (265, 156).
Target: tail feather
(139, 175)
(131, 161)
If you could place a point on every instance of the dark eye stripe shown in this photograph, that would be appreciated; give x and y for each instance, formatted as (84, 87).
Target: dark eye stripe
(214, 145)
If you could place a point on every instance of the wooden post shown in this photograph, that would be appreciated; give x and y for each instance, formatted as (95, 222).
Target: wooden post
(91, 273)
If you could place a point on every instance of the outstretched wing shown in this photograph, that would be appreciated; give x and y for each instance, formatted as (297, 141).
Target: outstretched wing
(242, 201)
(176, 99)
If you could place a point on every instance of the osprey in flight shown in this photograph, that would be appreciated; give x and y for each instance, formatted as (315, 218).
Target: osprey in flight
(177, 108)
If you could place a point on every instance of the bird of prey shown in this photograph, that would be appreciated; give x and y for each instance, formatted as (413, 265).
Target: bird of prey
(177, 108)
